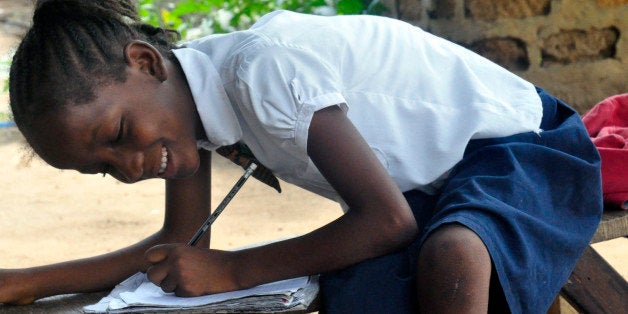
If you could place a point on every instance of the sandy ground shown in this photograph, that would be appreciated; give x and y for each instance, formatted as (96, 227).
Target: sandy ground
(48, 215)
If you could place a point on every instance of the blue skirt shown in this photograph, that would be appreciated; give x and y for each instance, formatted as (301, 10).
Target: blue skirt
(535, 200)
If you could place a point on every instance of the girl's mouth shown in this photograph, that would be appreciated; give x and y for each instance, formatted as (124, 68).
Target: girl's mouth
(164, 160)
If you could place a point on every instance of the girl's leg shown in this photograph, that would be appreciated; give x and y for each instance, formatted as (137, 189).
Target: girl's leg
(454, 272)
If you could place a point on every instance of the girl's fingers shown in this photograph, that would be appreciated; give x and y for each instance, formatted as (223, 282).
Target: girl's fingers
(168, 285)
(159, 252)
(157, 273)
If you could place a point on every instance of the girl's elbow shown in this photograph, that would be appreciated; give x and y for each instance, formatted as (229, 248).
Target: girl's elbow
(402, 230)
(408, 231)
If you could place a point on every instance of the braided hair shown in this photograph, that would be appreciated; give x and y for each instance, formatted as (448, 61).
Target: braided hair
(72, 47)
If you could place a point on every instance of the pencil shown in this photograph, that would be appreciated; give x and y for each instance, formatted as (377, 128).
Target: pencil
(247, 173)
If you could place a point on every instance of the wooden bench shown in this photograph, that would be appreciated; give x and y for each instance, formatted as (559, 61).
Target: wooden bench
(595, 286)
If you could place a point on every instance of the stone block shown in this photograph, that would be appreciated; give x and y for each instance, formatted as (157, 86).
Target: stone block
(508, 52)
(611, 3)
(491, 10)
(579, 45)
(443, 9)
(409, 10)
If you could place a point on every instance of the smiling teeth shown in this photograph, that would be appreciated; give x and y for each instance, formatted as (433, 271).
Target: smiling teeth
(164, 160)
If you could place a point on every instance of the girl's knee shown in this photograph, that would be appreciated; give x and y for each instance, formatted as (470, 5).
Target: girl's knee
(454, 253)
(454, 242)
(454, 271)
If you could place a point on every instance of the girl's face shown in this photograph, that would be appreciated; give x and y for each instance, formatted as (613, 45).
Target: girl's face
(146, 127)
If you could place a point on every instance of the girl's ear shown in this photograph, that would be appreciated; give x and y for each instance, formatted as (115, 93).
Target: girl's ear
(145, 57)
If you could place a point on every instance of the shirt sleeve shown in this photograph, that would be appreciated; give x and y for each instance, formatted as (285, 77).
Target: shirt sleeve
(280, 87)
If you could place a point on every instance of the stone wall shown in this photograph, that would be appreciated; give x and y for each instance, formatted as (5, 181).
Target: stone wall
(575, 49)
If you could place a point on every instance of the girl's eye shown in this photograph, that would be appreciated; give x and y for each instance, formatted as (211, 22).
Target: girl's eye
(120, 131)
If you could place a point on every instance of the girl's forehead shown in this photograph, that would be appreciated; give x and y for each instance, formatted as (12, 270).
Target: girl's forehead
(64, 137)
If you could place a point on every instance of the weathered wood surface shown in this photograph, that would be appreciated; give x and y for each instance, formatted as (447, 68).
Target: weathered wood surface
(595, 286)
(614, 225)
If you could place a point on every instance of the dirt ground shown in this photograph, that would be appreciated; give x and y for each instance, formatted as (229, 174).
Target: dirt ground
(48, 215)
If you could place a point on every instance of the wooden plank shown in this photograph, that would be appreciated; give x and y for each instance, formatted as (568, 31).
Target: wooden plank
(595, 287)
(614, 224)
(555, 307)
(66, 303)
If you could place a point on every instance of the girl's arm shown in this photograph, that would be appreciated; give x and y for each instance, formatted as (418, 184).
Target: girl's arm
(378, 222)
(187, 206)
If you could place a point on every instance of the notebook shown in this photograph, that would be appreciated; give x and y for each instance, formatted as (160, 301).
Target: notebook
(138, 294)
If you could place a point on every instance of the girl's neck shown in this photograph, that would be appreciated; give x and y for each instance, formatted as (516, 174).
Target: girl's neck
(181, 88)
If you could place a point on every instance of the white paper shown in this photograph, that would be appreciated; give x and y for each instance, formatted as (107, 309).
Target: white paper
(137, 293)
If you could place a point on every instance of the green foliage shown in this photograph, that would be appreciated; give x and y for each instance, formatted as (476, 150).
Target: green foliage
(196, 18)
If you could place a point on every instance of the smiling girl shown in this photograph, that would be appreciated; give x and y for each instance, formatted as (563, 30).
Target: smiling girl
(465, 188)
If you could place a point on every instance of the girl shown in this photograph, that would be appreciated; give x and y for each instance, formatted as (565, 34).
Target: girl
(465, 188)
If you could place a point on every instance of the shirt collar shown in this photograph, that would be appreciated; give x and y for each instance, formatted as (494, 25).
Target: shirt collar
(213, 106)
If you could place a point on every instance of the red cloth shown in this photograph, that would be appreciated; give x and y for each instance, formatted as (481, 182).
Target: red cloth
(607, 124)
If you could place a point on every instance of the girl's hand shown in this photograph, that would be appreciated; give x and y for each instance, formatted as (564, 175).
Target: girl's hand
(190, 271)
(14, 287)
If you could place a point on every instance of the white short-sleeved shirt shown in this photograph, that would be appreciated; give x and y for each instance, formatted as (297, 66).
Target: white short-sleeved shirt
(417, 99)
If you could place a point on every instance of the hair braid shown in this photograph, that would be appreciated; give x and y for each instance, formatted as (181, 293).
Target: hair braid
(72, 47)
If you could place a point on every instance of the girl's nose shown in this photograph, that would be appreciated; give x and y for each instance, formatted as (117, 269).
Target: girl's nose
(128, 166)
